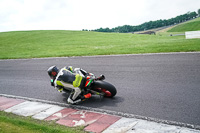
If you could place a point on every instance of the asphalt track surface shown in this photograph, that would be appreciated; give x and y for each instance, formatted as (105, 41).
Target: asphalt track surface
(161, 86)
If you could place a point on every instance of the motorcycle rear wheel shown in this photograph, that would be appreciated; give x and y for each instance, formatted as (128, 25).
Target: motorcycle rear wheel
(105, 87)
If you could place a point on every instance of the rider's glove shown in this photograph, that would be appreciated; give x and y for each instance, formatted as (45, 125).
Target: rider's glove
(52, 83)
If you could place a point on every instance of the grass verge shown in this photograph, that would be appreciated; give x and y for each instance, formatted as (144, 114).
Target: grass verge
(11, 123)
(37, 44)
(192, 25)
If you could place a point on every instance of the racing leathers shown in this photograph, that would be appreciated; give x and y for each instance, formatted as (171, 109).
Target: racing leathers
(74, 79)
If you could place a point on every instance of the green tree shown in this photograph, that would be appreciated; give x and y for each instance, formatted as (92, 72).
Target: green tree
(152, 24)
(193, 15)
(199, 12)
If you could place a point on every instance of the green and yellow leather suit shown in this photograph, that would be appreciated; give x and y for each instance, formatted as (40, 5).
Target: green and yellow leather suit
(71, 78)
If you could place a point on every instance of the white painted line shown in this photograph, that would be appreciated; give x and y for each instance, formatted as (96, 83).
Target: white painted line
(144, 126)
(121, 126)
(147, 126)
(129, 117)
(14, 108)
(46, 113)
(186, 130)
(131, 125)
(28, 108)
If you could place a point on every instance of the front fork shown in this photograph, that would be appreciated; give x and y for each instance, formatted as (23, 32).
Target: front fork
(88, 85)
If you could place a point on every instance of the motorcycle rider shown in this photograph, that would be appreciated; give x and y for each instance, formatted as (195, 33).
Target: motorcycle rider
(68, 77)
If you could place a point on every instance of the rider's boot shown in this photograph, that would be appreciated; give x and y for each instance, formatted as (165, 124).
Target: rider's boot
(70, 101)
(79, 98)
(87, 95)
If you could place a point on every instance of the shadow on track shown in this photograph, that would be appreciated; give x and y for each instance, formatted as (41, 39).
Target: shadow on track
(97, 102)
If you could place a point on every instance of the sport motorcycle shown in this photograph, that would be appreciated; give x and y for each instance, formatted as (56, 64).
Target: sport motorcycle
(97, 86)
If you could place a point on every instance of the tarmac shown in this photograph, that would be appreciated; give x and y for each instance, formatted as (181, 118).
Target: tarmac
(93, 122)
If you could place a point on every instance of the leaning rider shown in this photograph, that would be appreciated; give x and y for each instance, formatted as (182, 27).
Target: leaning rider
(68, 77)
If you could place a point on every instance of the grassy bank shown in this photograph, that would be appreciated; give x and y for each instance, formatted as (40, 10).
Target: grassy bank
(10, 123)
(192, 25)
(36, 44)
(31, 44)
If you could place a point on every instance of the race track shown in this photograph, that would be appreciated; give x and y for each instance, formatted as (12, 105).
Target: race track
(162, 86)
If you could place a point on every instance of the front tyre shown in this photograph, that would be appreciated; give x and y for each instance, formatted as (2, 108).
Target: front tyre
(108, 89)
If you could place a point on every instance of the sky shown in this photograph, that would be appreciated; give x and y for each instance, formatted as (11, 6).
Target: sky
(20, 15)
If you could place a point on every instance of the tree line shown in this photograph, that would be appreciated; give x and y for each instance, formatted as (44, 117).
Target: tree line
(151, 24)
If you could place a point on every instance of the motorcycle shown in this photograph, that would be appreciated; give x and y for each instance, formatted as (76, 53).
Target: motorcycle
(96, 86)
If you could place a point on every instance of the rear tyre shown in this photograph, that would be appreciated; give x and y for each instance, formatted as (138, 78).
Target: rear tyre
(105, 87)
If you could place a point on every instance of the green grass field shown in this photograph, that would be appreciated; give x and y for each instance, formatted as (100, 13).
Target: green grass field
(10, 123)
(192, 25)
(37, 44)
